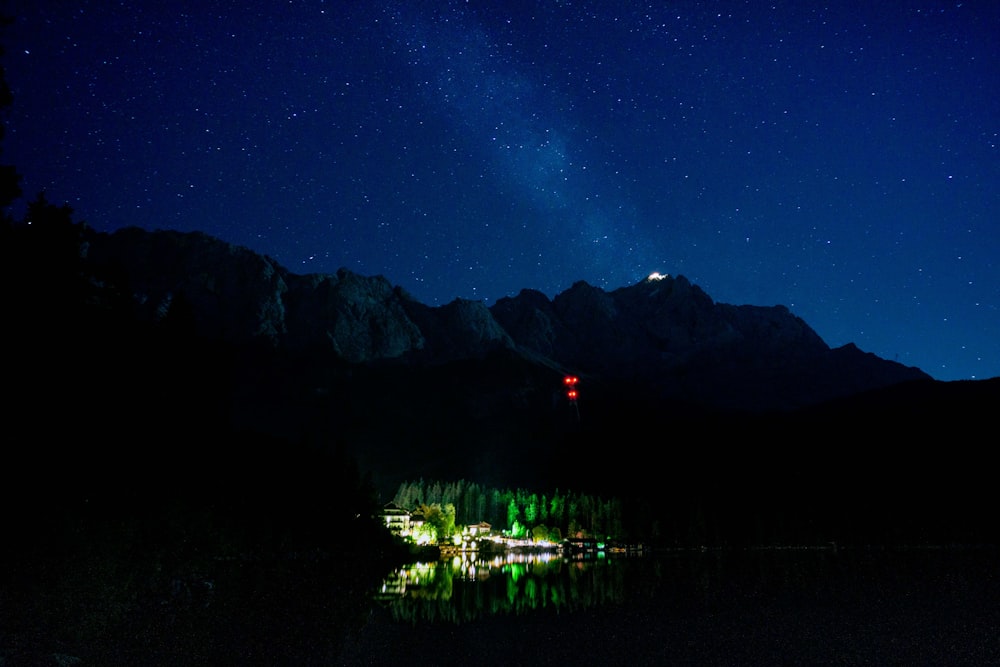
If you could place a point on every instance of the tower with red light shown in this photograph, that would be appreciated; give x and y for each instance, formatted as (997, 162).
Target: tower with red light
(571, 392)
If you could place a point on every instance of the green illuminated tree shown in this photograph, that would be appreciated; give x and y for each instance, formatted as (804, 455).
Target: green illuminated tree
(447, 521)
(531, 509)
(541, 532)
(513, 513)
(480, 513)
(440, 519)
(557, 509)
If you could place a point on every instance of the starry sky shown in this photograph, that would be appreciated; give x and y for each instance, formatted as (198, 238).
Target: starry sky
(838, 158)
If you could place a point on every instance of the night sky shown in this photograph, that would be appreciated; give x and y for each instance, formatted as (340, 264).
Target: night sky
(842, 160)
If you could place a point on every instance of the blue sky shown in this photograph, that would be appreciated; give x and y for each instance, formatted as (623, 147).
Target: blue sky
(841, 160)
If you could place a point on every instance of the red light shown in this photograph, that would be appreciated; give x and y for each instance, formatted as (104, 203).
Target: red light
(572, 394)
(570, 380)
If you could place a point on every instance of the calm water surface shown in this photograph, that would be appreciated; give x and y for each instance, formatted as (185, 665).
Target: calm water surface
(769, 607)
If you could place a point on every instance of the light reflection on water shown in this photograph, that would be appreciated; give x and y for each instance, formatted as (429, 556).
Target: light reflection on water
(467, 586)
(875, 606)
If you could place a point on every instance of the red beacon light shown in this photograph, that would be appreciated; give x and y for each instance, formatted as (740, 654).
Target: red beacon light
(570, 382)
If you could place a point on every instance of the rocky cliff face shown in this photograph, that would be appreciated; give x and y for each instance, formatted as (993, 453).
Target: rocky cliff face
(666, 337)
(663, 335)
(359, 319)
(233, 294)
(656, 326)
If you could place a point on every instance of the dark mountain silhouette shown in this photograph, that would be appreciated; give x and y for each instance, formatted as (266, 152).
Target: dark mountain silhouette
(663, 334)
(176, 359)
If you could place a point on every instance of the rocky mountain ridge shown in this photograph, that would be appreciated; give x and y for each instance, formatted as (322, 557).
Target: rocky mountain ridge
(662, 334)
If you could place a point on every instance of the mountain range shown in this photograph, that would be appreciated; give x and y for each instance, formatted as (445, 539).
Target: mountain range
(663, 334)
(161, 345)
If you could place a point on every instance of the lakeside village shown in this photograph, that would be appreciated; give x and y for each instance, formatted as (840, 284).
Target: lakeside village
(481, 539)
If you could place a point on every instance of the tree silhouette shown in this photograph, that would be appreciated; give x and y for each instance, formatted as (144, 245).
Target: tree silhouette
(10, 180)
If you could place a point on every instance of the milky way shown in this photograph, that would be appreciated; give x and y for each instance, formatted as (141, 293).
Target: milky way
(841, 161)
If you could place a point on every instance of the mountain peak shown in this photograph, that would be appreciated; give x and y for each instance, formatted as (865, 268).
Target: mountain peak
(662, 334)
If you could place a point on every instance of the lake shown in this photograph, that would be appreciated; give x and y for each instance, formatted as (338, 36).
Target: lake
(755, 607)
(761, 607)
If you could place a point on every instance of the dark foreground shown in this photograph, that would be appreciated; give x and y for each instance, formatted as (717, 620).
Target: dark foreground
(918, 607)
(803, 607)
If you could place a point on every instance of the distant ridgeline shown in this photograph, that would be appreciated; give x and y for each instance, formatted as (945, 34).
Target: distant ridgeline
(517, 512)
